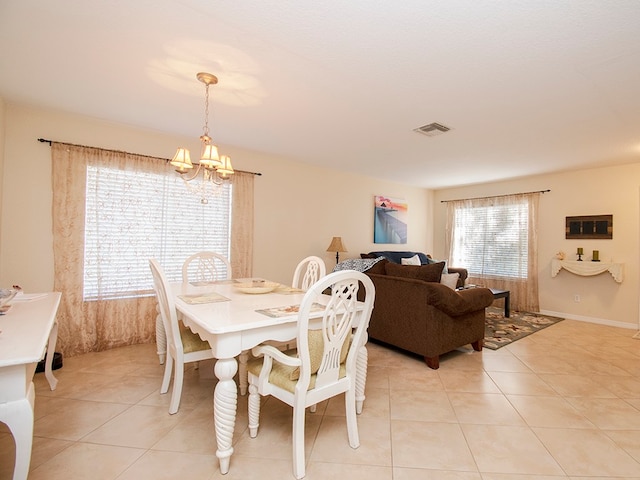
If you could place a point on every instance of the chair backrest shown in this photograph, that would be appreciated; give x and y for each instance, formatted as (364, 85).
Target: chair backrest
(308, 272)
(343, 319)
(166, 305)
(206, 267)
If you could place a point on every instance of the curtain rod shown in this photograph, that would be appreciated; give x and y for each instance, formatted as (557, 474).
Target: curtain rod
(495, 196)
(44, 140)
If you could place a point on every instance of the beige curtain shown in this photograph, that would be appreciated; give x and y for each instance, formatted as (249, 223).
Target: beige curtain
(524, 292)
(103, 324)
(242, 225)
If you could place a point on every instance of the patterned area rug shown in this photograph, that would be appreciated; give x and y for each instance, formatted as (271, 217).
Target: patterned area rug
(500, 331)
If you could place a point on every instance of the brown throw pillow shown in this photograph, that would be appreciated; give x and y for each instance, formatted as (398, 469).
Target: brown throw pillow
(426, 273)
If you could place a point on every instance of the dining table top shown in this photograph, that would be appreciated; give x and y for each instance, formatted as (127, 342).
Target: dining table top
(220, 307)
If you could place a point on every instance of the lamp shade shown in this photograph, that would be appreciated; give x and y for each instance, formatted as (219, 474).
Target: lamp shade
(182, 159)
(225, 169)
(336, 245)
(209, 157)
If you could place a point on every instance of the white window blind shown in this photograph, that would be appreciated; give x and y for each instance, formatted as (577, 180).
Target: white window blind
(492, 240)
(133, 216)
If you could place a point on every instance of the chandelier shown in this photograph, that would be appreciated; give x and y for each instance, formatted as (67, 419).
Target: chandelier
(212, 170)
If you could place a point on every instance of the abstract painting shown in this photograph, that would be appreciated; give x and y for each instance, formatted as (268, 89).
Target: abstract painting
(390, 220)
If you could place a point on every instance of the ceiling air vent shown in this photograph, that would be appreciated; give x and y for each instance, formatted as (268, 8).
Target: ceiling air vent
(432, 129)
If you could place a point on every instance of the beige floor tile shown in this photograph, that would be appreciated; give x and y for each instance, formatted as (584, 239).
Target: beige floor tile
(509, 449)
(466, 381)
(538, 411)
(511, 476)
(608, 413)
(422, 474)
(494, 362)
(140, 426)
(484, 409)
(436, 446)
(340, 471)
(624, 387)
(128, 389)
(577, 386)
(517, 383)
(86, 460)
(74, 419)
(421, 407)
(155, 465)
(629, 440)
(332, 442)
(587, 452)
(420, 378)
(244, 468)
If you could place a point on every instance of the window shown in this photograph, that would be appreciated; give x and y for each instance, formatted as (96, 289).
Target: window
(491, 240)
(132, 216)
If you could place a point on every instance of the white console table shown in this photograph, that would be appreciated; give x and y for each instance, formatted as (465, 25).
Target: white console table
(26, 330)
(587, 268)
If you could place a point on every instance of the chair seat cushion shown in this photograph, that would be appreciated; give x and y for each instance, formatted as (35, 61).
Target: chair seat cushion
(281, 375)
(191, 342)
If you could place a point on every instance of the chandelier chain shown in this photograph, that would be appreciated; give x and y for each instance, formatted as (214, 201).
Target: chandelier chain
(205, 129)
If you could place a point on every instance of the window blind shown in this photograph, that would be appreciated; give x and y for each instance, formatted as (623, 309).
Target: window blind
(492, 240)
(134, 216)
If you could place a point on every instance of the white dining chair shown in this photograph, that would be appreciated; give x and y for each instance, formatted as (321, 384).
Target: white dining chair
(201, 267)
(204, 267)
(308, 272)
(183, 346)
(329, 340)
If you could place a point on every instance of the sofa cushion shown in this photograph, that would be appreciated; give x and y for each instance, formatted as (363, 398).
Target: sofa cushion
(426, 273)
(415, 260)
(450, 280)
(396, 257)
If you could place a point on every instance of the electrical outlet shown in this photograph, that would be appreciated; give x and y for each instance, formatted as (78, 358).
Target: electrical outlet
(576, 298)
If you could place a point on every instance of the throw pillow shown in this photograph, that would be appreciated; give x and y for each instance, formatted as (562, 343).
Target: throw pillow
(415, 260)
(426, 273)
(450, 280)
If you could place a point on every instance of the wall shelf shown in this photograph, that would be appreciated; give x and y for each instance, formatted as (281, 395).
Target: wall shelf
(587, 268)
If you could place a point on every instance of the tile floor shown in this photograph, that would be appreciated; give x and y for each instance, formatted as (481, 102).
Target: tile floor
(562, 403)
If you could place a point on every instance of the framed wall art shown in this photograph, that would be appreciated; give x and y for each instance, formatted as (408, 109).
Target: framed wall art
(589, 227)
(390, 220)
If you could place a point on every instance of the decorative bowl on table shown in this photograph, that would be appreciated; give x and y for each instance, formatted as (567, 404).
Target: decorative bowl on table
(6, 295)
(256, 286)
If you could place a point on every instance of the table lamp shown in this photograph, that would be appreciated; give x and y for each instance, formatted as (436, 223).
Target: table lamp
(337, 246)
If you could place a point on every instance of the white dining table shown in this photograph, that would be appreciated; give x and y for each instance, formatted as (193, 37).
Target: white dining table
(27, 329)
(232, 327)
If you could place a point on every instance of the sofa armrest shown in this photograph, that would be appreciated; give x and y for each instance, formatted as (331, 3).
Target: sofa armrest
(457, 302)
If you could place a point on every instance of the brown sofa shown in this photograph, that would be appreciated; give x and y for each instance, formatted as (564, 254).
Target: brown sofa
(425, 259)
(415, 312)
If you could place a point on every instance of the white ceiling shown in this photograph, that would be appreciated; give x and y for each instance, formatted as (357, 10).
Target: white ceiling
(526, 86)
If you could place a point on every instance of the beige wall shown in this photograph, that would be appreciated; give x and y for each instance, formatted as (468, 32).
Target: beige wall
(612, 190)
(298, 207)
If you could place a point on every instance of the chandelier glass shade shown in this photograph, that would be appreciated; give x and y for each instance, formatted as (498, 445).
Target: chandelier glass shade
(212, 169)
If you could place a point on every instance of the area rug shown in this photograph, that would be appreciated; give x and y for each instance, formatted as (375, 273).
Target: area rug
(500, 331)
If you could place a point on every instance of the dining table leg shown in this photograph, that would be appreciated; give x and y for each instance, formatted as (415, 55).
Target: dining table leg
(18, 415)
(225, 406)
(48, 360)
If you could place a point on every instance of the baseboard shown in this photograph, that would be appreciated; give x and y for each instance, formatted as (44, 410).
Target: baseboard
(600, 321)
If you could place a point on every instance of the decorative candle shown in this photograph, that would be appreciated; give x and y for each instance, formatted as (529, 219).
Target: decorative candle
(596, 256)
(580, 251)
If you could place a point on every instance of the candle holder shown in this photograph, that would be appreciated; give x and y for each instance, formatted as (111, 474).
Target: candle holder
(596, 256)
(580, 253)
